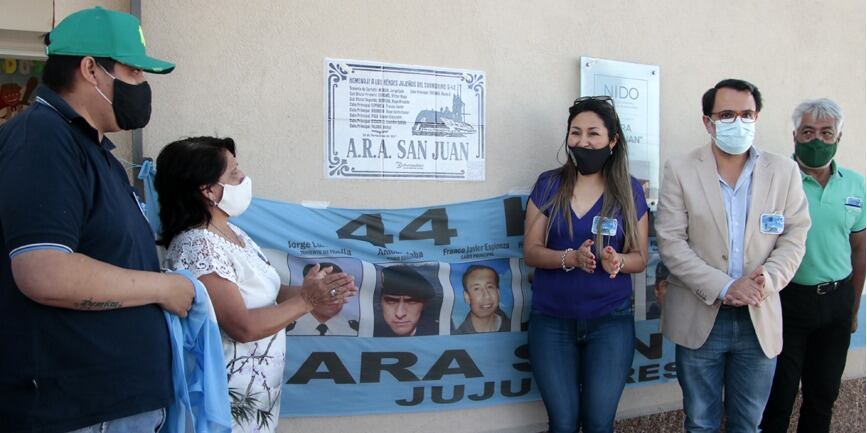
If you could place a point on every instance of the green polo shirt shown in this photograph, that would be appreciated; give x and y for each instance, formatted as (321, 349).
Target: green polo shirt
(837, 210)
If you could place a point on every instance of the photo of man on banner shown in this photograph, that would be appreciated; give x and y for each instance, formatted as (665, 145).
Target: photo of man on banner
(326, 319)
(406, 303)
(478, 284)
(337, 320)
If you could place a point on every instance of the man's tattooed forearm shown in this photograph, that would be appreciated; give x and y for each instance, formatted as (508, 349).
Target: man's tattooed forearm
(89, 304)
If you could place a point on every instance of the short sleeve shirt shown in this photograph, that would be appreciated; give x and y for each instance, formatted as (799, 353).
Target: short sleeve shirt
(61, 188)
(577, 294)
(837, 211)
(202, 252)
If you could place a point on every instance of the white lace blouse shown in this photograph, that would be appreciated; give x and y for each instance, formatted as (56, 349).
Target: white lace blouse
(254, 369)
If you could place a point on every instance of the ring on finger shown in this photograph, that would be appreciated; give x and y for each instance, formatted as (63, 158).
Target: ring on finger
(333, 292)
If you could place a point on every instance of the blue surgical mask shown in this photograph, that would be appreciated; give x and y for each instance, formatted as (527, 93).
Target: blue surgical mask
(734, 138)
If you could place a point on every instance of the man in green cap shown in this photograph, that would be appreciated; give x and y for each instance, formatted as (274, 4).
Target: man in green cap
(81, 294)
(820, 305)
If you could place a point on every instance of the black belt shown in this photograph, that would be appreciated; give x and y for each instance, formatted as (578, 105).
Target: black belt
(824, 288)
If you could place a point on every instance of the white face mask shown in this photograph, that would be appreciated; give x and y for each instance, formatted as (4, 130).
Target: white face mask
(734, 138)
(236, 198)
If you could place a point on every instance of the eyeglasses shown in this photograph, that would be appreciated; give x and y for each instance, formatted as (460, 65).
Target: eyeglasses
(603, 98)
(729, 116)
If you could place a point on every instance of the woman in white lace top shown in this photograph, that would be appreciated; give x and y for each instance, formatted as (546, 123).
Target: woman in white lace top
(200, 186)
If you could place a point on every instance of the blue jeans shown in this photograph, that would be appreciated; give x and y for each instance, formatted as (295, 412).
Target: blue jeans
(731, 360)
(151, 421)
(581, 367)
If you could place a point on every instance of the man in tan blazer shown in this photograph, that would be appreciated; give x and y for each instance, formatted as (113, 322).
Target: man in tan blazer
(731, 227)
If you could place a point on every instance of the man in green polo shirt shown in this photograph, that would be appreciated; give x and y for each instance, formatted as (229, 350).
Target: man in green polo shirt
(820, 305)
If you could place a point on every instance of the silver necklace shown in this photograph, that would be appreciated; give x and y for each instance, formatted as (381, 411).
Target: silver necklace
(236, 240)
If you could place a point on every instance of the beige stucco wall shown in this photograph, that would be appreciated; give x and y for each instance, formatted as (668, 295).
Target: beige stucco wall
(254, 71)
(21, 24)
(29, 16)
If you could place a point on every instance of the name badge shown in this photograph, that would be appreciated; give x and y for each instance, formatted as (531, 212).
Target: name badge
(608, 226)
(772, 223)
(853, 202)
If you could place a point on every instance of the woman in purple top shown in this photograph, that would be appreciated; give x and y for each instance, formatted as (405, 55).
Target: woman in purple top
(585, 230)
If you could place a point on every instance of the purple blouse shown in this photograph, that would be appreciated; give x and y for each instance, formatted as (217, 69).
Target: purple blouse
(577, 294)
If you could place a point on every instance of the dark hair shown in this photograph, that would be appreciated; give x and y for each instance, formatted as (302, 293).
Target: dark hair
(59, 71)
(617, 197)
(474, 268)
(183, 168)
(404, 280)
(709, 97)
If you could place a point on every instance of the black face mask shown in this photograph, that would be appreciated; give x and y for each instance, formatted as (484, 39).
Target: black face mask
(589, 161)
(132, 103)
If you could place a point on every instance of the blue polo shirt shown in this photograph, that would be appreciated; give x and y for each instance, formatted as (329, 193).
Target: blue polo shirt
(62, 369)
(577, 294)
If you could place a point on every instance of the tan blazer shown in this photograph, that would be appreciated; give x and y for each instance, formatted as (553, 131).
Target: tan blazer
(692, 234)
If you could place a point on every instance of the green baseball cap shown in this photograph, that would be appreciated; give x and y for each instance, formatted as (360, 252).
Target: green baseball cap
(102, 32)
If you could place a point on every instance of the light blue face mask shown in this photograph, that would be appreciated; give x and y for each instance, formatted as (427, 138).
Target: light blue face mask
(734, 138)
